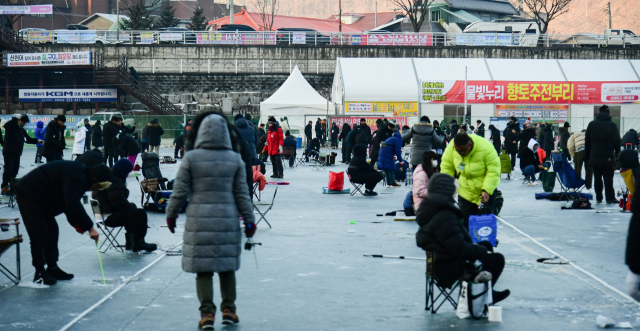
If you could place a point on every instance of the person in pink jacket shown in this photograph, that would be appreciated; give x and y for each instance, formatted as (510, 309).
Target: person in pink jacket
(421, 177)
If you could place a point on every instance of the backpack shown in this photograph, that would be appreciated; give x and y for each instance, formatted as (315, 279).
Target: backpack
(581, 203)
(499, 201)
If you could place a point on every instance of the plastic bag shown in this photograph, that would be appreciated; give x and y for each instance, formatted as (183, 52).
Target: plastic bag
(336, 181)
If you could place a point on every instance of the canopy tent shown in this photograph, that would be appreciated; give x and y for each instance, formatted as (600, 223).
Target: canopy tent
(295, 99)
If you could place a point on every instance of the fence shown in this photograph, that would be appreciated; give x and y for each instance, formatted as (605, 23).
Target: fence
(369, 38)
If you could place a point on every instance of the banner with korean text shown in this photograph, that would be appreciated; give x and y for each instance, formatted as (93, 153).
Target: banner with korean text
(68, 95)
(371, 121)
(381, 106)
(48, 59)
(452, 92)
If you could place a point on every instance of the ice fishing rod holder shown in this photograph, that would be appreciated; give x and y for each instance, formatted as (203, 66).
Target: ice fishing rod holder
(249, 244)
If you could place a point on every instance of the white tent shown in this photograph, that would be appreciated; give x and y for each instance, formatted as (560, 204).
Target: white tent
(294, 99)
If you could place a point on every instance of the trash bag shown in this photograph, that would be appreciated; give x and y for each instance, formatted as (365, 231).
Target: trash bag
(336, 181)
(548, 181)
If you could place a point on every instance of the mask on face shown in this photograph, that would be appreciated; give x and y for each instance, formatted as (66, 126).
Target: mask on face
(434, 163)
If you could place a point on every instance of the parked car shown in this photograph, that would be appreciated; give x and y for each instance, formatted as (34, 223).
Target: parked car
(610, 38)
(234, 28)
(311, 37)
(188, 37)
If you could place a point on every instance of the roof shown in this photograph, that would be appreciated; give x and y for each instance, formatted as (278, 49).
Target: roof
(495, 6)
(295, 94)
(463, 15)
(393, 79)
(367, 21)
(109, 17)
(280, 21)
(598, 70)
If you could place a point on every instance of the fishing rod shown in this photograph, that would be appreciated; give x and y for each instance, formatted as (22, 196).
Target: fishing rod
(396, 257)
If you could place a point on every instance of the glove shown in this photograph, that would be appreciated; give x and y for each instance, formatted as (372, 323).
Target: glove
(171, 224)
(280, 149)
(250, 229)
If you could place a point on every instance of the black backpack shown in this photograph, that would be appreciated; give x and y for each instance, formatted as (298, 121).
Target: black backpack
(499, 201)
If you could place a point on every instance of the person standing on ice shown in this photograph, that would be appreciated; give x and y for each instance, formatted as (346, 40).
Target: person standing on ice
(602, 144)
(213, 176)
(629, 160)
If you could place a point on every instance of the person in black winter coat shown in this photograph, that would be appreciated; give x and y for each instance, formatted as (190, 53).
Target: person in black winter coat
(110, 130)
(50, 190)
(318, 129)
(511, 134)
(385, 131)
(439, 146)
(442, 232)
(178, 152)
(631, 137)
(602, 144)
(15, 137)
(361, 172)
(549, 141)
(335, 131)
(87, 140)
(346, 128)
(495, 138)
(262, 132)
(454, 127)
(54, 143)
(114, 202)
(155, 132)
(96, 139)
(128, 146)
(313, 149)
(248, 134)
(528, 132)
(479, 128)
(362, 133)
(260, 148)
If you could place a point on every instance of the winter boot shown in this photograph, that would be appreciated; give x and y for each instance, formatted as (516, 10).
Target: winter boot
(129, 243)
(206, 322)
(500, 295)
(229, 317)
(42, 277)
(58, 274)
(141, 245)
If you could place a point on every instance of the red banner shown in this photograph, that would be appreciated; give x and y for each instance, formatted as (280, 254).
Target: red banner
(371, 121)
(531, 92)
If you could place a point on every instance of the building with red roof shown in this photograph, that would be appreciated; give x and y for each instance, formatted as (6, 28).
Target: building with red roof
(254, 20)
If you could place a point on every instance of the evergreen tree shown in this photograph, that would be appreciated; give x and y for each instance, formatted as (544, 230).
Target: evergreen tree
(167, 17)
(198, 20)
(139, 12)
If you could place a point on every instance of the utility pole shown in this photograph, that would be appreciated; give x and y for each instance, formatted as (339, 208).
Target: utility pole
(340, 14)
(231, 12)
(117, 21)
(376, 21)
(609, 11)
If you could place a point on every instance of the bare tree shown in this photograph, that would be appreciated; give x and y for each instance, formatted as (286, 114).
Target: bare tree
(416, 10)
(10, 19)
(139, 12)
(545, 11)
(267, 10)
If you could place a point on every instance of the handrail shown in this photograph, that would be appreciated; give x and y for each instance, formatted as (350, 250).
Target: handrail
(370, 38)
(11, 41)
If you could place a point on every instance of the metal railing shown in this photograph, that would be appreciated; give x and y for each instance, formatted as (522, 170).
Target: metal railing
(370, 38)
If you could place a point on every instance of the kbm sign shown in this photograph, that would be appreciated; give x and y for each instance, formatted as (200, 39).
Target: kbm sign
(68, 95)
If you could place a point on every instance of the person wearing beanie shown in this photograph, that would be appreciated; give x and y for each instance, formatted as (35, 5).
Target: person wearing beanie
(15, 136)
(39, 133)
(442, 233)
(274, 146)
(384, 132)
(422, 137)
(50, 190)
(602, 144)
(114, 203)
(155, 132)
(54, 142)
(361, 172)
(511, 134)
(474, 162)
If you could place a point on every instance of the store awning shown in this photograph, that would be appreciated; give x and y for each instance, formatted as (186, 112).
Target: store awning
(463, 15)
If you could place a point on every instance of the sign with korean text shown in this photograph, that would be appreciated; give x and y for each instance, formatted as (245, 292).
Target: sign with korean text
(76, 36)
(146, 37)
(299, 38)
(381, 106)
(26, 10)
(67, 95)
(371, 121)
(39, 36)
(112, 36)
(452, 92)
(487, 39)
(48, 59)
(171, 36)
(555, 113)
(258, 39)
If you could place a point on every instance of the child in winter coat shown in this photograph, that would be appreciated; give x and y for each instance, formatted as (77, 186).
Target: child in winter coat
(40, 131)
(213, 176)
(392, 146)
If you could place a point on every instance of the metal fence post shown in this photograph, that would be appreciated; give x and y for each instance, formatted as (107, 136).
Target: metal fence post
(263, 66)
(180, 65)
(236, 66)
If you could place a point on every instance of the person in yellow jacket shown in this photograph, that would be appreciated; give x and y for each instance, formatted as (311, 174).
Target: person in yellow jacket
(474, 162)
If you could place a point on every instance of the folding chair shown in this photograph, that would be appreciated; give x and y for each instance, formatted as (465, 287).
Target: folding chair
(570, 184)
(288, 153)
(446, 290)
(263, 213)
(357, 186)
(110, 239)
(301, 160)
(321, 162)
(256, 190)
(6, 244)
(12, 192)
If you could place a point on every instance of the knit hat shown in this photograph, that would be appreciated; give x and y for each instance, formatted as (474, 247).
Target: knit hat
(24, 118)
(122, 168)
(441, 186)
(238, 116)
(272, 119)
(604, 108)
(527, 123)
(566, 124)
(287, 133)
(247, 117)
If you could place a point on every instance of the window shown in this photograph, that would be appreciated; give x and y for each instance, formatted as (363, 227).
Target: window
(435, 15)
(615, 32)
(531, 31)
(508, 29)
(628, 33)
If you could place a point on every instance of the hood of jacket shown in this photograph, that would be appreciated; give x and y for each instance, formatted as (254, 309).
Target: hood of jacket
(40, 124)
(430, 207)
(398, 135)
(603, 116)
(241, 123)
(213, 133)
(423, 127)
(154, 125)
(359, 150)
(532, 143)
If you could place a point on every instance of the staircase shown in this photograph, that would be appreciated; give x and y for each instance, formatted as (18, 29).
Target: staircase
(12, 42)
(120, 77)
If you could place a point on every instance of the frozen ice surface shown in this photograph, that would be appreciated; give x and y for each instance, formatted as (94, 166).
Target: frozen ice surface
(312, 274)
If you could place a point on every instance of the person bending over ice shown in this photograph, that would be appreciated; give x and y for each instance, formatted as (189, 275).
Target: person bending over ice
(362, 172)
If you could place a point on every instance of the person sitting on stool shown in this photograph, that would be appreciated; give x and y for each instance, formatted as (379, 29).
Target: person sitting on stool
(290, 141)
(113, 202)
(362, 172)
(313, 149)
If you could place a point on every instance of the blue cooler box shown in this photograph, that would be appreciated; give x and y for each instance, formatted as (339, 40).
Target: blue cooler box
(483, 228)
(299, 140)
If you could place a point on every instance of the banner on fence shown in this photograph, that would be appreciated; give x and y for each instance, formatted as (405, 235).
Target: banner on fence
(68, 95)
(299, 38)
(47, 59)
(217, 38)
(258, 39)
(381, 106)
(76, 37)
(112, 36)
(170, 36)
(39, 36)
(26, 10)
(371, 121)
(452, 91)
(487, 39)
(146, 37)
(406, 39)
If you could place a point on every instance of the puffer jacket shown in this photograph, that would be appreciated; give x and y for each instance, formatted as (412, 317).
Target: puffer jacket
(510, 137)
(632, 256)
(114, 198)
(524, 137)
(249, 134)
(481, 170)
(420, 183)
(631, 137)
(155, 132)
(39, 133)
(213, 176)
(564, 138)
(96, 140)
(422, 137)
(441, 230)
(358, 166)
(274, 140)
(576, 143)
(109, 131)
(602, 140)
(79, 140)
(480, 130)
(15, 137)
(393, 146)
(530, 156)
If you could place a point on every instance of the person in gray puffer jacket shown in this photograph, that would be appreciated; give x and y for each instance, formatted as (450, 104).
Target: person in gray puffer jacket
(422, 137)
(213, 177)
